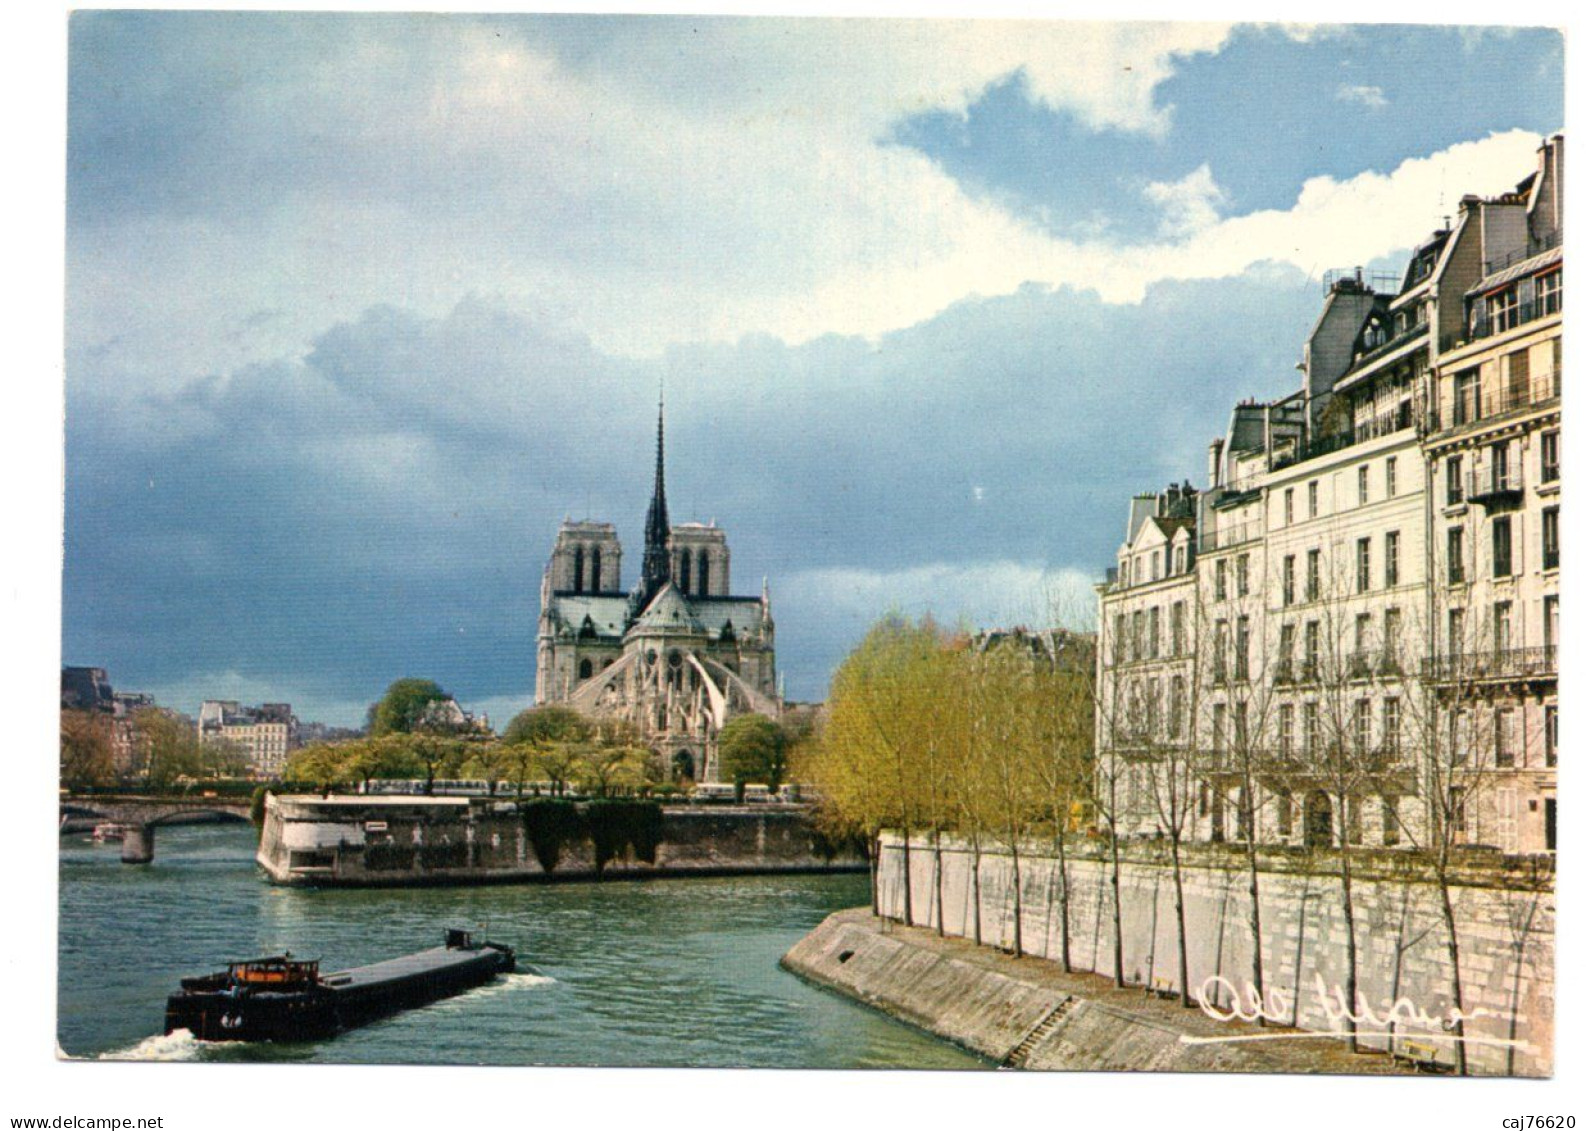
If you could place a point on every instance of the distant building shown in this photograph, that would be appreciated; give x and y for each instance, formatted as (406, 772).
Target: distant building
(310, 733)
(86, 689)
(445, 714)
(266, 734)
(677, 657)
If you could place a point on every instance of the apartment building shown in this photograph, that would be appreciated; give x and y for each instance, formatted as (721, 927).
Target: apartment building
(266, 734)
(1493, 446)
(1370, 577)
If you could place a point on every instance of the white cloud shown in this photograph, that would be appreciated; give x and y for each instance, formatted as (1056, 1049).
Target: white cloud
(1371, 96)
(978, 594)
(737, 184)
(1189, 205)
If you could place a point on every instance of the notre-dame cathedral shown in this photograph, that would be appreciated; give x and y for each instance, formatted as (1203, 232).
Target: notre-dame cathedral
(677, 656)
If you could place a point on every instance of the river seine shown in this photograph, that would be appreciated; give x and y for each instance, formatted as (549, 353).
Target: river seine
(670, 973)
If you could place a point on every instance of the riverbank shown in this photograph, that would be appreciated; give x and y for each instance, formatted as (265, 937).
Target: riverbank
(1027, 1013)
(360, 841)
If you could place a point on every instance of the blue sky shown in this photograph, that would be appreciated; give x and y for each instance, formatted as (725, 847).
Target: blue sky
(359, 307)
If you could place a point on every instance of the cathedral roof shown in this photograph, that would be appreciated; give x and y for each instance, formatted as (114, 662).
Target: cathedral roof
(670, 611)
(606, 613)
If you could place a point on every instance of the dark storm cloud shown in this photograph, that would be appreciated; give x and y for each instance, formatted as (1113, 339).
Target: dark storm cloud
(384, 505)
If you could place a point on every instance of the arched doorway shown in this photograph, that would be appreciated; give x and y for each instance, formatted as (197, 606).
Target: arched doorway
(1318, 820)
(682, 766)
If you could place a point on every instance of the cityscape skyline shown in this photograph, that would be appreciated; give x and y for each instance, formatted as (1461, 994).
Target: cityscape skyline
(322, 438)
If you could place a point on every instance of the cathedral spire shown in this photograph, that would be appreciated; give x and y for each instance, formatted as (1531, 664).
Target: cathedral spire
(657, 567)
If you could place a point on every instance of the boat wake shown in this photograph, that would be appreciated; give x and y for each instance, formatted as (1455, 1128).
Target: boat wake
(180, 1045)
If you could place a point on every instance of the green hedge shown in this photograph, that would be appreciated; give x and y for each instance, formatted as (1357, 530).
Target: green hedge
(616, 826)
(550, 825)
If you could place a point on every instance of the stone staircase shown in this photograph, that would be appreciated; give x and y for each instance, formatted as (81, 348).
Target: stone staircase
(1020, 1056)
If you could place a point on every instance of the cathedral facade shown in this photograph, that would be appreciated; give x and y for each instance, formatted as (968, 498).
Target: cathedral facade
(677, 655)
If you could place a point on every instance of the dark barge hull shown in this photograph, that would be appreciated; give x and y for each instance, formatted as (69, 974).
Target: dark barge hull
(338, 1001)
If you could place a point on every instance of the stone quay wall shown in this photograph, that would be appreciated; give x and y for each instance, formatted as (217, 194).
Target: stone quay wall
(377, 841)
(1505, 920)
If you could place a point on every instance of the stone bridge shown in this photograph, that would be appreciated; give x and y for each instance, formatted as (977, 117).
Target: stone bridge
(140, 815)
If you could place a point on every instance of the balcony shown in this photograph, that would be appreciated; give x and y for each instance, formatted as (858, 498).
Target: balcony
(1493, 665)
(1231, 536)
(1494, 484)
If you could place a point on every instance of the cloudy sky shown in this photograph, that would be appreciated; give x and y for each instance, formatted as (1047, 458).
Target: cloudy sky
(359, 307)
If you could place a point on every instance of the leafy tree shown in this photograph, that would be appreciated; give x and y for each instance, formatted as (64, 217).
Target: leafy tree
(753, 749)
(550, 825)
(87, 750)
(551, 723)
(170, 746)
(558, 762)
(402, 708)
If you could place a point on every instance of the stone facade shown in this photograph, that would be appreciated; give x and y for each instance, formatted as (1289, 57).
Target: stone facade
(677, 656)
(1286, 636)
(1506, 935)
(391, 842)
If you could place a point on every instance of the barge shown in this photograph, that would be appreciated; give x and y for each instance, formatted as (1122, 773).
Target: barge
(281, 998)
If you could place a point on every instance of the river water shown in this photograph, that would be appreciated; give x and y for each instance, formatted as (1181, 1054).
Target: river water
(669, 973)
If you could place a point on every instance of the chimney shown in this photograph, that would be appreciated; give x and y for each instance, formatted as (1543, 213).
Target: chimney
(1214, 463)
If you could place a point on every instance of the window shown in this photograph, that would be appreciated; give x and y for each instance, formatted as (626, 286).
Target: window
(1550, 733)
(1456, 808)
(1286, 730)
(1156, 634)
(1390, 640)
(1390, 820)
(1550, 450)
(1137, 631)
(1175, 718)
(1156, 565)
(1120, 640)
(1390, 559)
(1242, 650)
(704, 574)
(1360, 724)
(594, 570)
(1499, 456)
(1467, 397)
(1288, 507)
(1456, 555)
(1313, 641)
(1456, 632)
(1391, 471)
(1220, 653)
(1178, 628)
(1550, 626)
(1363, 565)
(1310, 722)
(1550, 538)
(578, 570)
(586, 668)
(1286, 653)
(1363, 485)
(1242, 574)
(1219, 732)
(1550, 293)
(1313, 574)
(1503, 309)
(1390, 725)
(1360, 661)
(1504, 739)
(1352, 812)
(1502, 548)
(1519, 367)
(1455, 486)
(686, 574)
(1312, 491)
(1288, 580)
(1502, 626)
(1222, 579)
(1285, 813)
